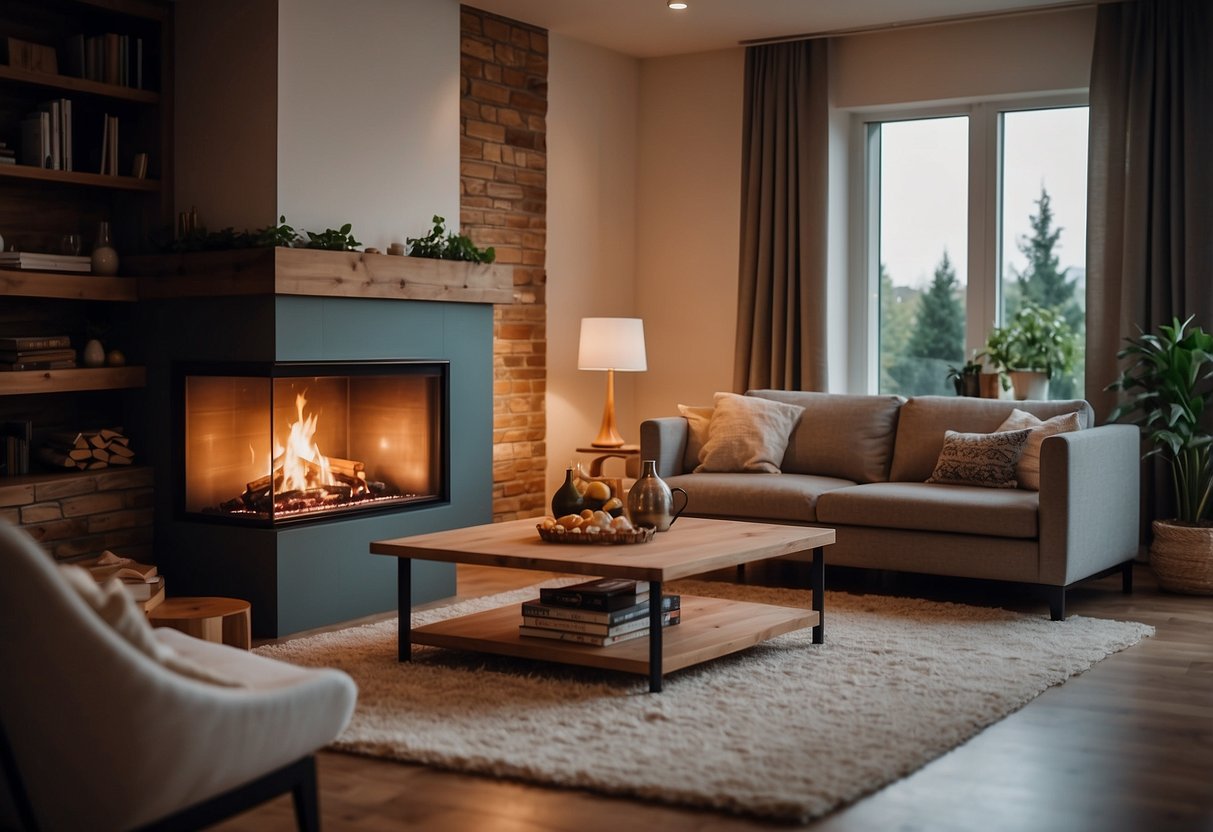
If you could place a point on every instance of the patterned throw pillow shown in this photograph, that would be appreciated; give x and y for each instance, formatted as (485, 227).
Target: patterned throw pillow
(1028, 469)
(747, 434)
(985, 459)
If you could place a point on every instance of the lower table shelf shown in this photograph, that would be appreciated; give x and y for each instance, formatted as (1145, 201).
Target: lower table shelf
(711, 627)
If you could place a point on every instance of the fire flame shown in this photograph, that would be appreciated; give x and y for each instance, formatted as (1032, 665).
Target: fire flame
(303, 466)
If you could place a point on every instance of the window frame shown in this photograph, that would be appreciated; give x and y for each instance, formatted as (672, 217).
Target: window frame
(983, 294)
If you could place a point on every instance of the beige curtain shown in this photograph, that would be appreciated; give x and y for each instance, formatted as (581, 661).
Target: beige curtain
(781, 313)
(1150, 188)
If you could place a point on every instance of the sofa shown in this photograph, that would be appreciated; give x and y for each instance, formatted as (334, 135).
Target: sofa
(860, 465)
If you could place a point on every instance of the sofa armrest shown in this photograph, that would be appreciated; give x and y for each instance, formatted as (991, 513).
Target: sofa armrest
(1090, 507)
(665, 440)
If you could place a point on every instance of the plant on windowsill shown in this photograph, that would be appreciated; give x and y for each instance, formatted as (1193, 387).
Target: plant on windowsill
(966, 379)
(1167, 387)
(1035, 346)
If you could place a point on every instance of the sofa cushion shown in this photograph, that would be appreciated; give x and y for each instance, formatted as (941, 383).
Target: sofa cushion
(844, 436)
(961, 509)
(1027, 471)
(698, 419)
(987, 460)
(784, 497)
(923, 420)
(747, 434)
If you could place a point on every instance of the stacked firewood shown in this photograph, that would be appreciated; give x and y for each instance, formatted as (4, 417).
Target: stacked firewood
(87, 450)
(350, 485)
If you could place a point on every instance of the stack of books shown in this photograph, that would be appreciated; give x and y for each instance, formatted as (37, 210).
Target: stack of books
(598, 612)
(44, 262)
(46, 136)
(37, 353)
(17, 435)
(140, 580)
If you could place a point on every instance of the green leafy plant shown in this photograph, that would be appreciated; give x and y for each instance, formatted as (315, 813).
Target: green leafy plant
(281, 235)
(1167, 388)
(440, 244)
(966, 376)
(1035, 339)
(333, 239)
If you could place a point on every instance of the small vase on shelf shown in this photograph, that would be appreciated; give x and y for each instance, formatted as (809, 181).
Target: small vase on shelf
(104, 258)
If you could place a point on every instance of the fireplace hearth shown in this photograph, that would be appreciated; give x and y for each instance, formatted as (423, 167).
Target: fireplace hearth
(298, 442)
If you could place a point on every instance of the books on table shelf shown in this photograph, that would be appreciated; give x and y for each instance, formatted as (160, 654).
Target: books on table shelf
(45, 262)
(599, 594)
(595, 627)
(140, 580)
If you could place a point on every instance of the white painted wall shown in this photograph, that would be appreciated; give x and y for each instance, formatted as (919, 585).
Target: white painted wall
(368, 115)
(591, 243)
(687, 217)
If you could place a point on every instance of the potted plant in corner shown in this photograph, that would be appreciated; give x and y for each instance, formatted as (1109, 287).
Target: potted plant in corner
(1036, 345)
(1167, 387)
(966, 379)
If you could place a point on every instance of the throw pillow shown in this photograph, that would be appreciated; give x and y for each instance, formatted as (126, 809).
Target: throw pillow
(985, 459)
(118, 610)
(698, 419)
(1027, 472)
(747, 434)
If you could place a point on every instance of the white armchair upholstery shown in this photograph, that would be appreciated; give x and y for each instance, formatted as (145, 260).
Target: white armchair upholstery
(98, 735)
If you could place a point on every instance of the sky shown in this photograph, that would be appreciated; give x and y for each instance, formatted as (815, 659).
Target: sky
(924, 185)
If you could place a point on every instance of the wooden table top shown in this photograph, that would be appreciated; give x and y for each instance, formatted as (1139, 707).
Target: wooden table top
(692, 546)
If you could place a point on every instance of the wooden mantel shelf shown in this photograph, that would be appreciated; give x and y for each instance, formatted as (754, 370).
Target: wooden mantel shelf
(320, 273)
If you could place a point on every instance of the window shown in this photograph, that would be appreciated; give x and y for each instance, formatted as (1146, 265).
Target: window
(970, 213)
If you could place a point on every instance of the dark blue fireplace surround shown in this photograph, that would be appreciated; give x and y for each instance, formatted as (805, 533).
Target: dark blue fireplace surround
(309, 575)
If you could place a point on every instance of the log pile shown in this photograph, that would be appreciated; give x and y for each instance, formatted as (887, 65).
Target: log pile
(86, 450)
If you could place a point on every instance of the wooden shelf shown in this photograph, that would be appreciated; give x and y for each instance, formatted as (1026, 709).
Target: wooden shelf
(319, 273)
(78, 85)
(32, 284)
(58, 475)
(73, 177)
(67, 381)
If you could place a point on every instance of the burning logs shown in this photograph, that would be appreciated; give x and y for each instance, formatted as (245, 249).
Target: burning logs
(347, 484)
(86, 450)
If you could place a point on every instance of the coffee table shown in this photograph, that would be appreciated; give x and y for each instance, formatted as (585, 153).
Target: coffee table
(710, 627)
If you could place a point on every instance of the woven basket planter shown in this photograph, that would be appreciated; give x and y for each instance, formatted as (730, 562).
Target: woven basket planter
(1182, 558)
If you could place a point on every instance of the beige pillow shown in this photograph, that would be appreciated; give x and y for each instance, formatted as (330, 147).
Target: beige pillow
(698, 419)
(985, 459)
(117, 609)
(747, 434)
(1027, 472)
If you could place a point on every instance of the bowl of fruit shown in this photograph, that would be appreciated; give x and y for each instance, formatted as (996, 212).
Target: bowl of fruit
(592, 526)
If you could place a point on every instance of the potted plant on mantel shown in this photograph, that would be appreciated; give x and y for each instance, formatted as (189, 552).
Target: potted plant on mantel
(1036, 345)
(1167, 387)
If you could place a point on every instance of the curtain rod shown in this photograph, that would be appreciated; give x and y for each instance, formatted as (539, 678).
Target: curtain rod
(926, 23)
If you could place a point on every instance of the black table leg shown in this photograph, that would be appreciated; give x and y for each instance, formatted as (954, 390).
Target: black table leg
(819, 594)
(404, 601)
(655, 636)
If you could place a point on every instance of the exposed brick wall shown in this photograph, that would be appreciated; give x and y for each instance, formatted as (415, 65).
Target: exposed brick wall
(503, 203)
(74, 515)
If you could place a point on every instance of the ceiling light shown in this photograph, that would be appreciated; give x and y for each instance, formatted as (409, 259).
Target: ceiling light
(677, 5)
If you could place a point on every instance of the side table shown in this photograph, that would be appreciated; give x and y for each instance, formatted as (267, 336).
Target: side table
(221, 620)
(624, 452)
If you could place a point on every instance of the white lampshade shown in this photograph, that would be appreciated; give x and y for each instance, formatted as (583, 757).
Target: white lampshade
(612, 344)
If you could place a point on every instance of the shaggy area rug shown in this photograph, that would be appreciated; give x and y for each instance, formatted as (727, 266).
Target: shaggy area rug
(787, 730)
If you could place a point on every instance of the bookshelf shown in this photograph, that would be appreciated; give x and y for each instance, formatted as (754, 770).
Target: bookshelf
(40, 205)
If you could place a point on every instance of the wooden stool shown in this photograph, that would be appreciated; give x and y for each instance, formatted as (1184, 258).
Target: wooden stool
(221, 620)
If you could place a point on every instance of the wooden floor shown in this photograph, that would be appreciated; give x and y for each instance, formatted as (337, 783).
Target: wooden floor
(1126, 746)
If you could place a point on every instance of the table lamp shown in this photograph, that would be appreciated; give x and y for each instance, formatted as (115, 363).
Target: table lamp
(611, 344)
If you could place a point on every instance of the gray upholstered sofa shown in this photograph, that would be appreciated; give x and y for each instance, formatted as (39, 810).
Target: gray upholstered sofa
(857, 464)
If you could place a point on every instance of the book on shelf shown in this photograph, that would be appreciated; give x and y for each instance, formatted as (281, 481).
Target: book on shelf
(35, 342)
(37, 355)
(17, 434)
(538, 609)
(45, 262)
(36, 140)
(109, 146)
(564, 625)
(23, 366)
(598, 594)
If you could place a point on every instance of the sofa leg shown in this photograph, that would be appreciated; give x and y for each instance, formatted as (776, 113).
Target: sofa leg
(1057, 603)
(307, 803)
(741, 573)
(1126, 577)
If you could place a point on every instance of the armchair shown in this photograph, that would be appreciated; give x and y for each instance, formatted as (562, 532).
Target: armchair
(97, 734)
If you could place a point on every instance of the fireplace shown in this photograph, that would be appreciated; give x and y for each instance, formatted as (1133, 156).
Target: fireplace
(297, 442)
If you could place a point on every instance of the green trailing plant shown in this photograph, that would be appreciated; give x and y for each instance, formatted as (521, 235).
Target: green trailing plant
(1166, 388)
(440, 244)
(280, 235)
(333, 239)
(1036, 339)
